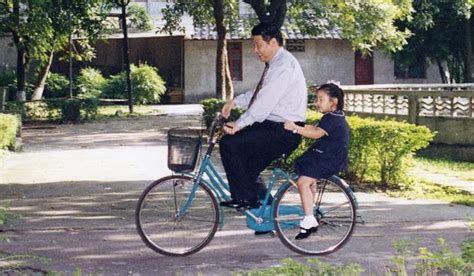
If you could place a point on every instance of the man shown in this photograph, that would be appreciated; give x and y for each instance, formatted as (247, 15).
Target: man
(258, 136)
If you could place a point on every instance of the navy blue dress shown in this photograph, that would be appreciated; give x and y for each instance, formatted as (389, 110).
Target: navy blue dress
(329, 154)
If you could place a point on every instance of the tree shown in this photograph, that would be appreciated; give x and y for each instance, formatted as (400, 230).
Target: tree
(15, 20)
(40, 28)
(441, 34)
(224, 14)
(366, 24)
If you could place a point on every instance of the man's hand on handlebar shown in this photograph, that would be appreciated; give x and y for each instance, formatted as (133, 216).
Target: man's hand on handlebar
(227, 108)
(231, 128)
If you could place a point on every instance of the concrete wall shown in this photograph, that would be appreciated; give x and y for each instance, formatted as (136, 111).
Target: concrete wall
(321, 61)
(7, 53)
(384, 72)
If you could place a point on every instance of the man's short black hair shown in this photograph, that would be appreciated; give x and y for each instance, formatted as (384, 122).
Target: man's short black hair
(268, 31)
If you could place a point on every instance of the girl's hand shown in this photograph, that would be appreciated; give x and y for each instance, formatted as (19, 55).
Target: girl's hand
(289, 125)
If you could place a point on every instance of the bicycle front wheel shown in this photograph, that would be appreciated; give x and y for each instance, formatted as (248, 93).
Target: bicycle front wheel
(175, 217)
(334, 209)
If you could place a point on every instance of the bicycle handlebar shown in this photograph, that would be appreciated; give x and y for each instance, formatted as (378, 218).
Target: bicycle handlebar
(217, 123)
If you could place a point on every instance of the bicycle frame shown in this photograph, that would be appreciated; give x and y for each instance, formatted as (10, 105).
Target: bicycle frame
(208, 174)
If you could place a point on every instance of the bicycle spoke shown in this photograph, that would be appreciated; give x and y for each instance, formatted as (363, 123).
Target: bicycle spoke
(166, 232)
(334, 210)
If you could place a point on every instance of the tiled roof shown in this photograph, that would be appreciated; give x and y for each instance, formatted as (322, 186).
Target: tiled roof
(207, 32)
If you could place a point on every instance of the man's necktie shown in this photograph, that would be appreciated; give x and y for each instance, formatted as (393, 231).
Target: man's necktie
(259, 85)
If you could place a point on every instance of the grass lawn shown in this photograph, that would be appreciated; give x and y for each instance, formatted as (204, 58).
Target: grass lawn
(462, 170)
(421, 188)
(122, 110)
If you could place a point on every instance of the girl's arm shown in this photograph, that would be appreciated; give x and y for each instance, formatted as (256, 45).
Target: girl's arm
(308, 131)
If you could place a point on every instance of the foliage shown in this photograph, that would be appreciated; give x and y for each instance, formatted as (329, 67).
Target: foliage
(366, 24)
(314, 267)
(439, 35)
(202, 13)
(441, 262)
(138, 18)
(41, 28)
(56, 86)
(90, 82)
(7, 77)
(212, 106)
(378, 150)
(148, 86)
(9, 125)
(61, 110)
(427, 262)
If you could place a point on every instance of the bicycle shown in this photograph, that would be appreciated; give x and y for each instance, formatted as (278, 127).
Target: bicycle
(179, 214)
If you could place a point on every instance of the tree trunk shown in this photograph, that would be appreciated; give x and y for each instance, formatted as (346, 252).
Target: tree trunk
(229, 88)
(126, 54)
(275, 13)
(221, 56)
(468, 55)
(21, 75)
(441, 71)
(41, 80)
(20, 57)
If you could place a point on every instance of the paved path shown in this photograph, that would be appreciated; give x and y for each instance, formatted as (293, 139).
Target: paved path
(76, 186)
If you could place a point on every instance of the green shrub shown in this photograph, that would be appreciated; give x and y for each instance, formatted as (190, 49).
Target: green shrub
(90, 82)
(212, 106)
(115, 87)
(62, 110)
(7, 77)
(313, 267)
(384, 148)
(56, 86)
(379, 150)
(9, 125)
(148, 86)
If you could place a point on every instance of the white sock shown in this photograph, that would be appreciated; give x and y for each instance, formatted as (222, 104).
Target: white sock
(308, 222)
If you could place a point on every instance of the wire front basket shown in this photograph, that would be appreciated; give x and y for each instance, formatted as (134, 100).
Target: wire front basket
(184, 145)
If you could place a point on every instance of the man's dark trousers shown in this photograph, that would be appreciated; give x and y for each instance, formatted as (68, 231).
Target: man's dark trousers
(247, 153)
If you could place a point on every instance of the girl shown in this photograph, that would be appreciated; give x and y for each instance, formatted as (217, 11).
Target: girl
(327, 156)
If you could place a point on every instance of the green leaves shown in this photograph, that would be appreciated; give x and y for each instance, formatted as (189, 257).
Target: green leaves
(439, 35)
(366, 24)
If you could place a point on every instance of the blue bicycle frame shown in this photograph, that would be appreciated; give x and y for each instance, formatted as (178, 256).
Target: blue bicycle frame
(260, 219)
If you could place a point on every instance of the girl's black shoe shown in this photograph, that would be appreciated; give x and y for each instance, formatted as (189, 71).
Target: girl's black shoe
(304, 233)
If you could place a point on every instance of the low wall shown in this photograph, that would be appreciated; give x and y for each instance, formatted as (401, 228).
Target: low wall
(444, 109)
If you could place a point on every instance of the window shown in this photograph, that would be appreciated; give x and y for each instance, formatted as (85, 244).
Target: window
(414, 71)
(234, 50)
(295, 45)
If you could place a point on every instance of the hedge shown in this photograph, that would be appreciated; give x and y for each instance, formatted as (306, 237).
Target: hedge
(62, 110)
(9, 125)
(379, 150)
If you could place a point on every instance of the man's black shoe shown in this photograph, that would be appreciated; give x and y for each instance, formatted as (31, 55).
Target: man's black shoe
(233, 203)
(245, 204)
(259, 233)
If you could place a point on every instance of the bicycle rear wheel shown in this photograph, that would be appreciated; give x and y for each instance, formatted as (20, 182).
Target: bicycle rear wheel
(334, 209)
(169, 223)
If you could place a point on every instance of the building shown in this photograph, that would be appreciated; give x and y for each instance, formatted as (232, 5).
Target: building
(187, 60)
